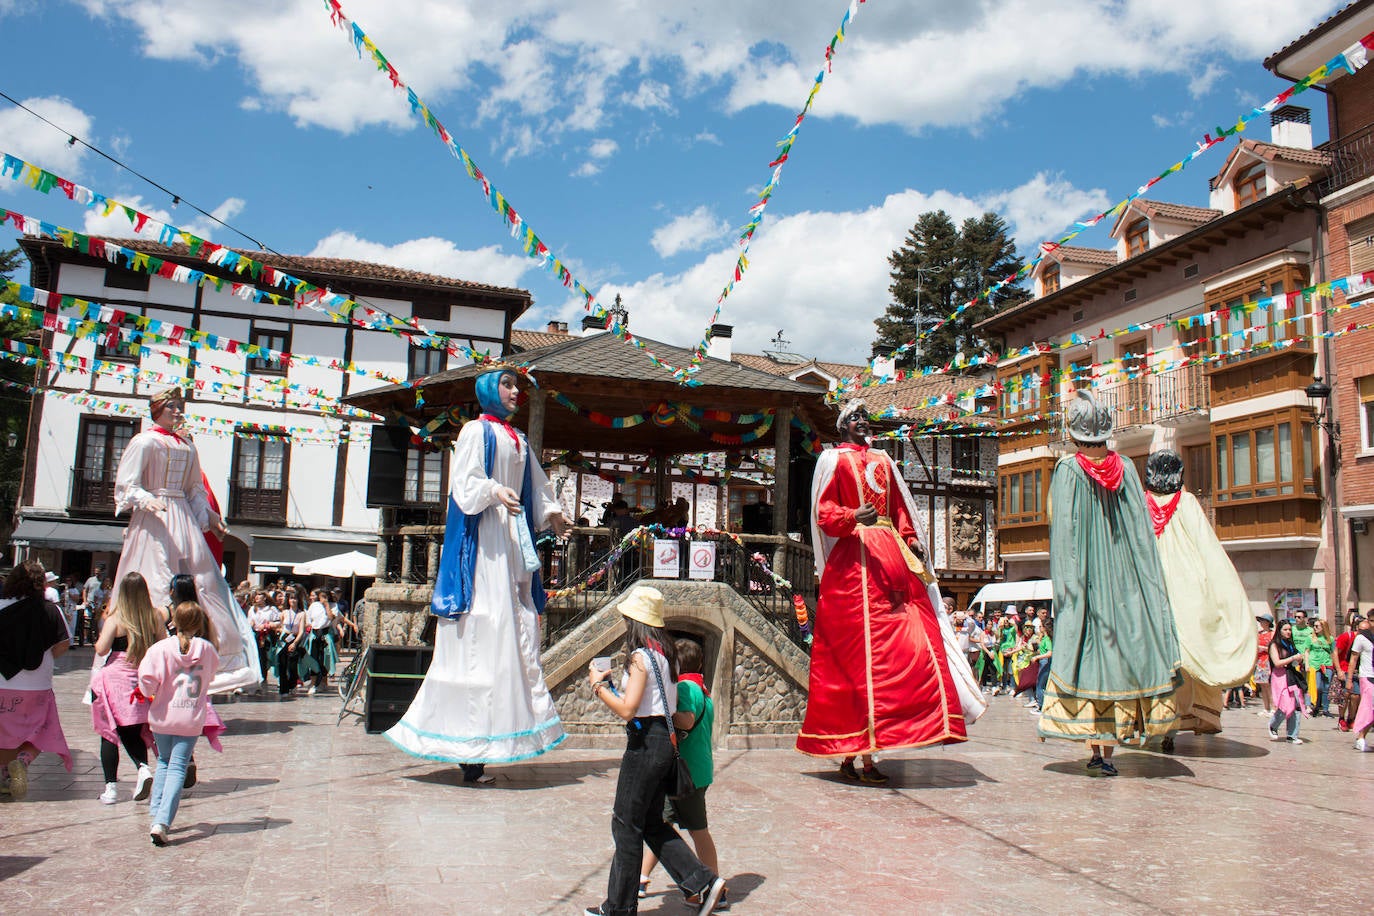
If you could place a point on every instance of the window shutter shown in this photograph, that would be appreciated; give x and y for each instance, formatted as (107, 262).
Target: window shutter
(1361, 236)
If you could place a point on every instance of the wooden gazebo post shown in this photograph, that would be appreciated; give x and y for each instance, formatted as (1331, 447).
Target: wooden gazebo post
(782, 454)
(535, 434)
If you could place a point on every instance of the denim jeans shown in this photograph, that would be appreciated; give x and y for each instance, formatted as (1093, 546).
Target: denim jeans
(1294, 720)
(1041, 680)
(637, 821)
(173, 753)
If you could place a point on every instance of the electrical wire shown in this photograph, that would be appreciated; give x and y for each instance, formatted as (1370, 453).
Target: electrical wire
(73, 139)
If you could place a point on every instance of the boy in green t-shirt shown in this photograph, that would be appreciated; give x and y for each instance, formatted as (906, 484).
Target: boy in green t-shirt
(694, 719)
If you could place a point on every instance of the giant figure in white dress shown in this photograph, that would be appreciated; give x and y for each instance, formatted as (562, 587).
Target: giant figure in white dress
(484, 699)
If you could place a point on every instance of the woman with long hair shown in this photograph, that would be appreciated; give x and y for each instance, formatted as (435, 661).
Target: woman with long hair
(1321, 663)
(646, 700)
(134, 624)
(32, 634)
(1288, 683)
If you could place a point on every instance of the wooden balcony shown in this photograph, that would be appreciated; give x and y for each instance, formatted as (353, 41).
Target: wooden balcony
(1024, 539)
(1268, 518)
(1271, 372)
(92, 491)
(252, 504)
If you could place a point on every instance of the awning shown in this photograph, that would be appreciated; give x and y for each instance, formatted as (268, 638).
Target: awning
(284, 554)
(68, 535)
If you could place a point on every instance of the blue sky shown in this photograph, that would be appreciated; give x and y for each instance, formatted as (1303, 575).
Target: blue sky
(634, 136)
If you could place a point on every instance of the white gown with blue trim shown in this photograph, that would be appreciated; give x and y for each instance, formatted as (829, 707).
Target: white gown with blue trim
(484, 699)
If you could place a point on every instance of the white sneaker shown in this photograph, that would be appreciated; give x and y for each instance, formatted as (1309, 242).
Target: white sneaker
(158, 834)
(1360, 745)
(144, 787)
(111, 793)
(1274, 736)
(1296, 741)
(311, 691)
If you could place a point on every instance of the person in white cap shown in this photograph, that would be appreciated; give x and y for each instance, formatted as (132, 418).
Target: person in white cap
(646, 700)
(887, 671)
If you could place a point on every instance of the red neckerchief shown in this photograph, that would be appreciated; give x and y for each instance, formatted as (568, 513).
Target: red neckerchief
(1109, 473)
(695, 679)
(854, 445)
(508, 428)
(1160, 513)
(168, 432)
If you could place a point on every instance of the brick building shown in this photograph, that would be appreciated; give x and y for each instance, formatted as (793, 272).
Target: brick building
(1347, 201)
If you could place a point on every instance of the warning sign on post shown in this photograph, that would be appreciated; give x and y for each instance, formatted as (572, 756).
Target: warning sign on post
(701, 560)
(667, 554)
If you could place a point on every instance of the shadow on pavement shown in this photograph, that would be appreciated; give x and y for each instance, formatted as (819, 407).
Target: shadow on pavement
(14, 865)
(562, 773)
(738, 887)
(1214, 746)
(229, 784)
(916, 774)
(238, 727)
(202, 830)
(1132, 766)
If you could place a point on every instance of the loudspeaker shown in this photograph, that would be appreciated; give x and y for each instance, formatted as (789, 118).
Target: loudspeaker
(386, 465)
(394, 675)
(757, 518)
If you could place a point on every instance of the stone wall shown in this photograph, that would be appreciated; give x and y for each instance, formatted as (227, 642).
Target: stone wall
(756, 675)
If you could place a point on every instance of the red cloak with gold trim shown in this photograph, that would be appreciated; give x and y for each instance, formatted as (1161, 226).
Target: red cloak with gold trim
(882, 673)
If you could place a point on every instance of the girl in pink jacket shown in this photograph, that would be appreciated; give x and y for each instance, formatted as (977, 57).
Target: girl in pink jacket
(175, 675)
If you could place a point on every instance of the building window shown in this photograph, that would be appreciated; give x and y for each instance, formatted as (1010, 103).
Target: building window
(1049, 280)
(259, 482)
(1250, 184)
(1264, 456)
(424, 482)
(277, 340)
(425, 361)
(1366, 389)
(1242, 324)
(121, 341)
(965, 455)
(100, 446)
(1025, 386)
(739, 498)
(119, 278)
(1137, 237)
(1022, 489)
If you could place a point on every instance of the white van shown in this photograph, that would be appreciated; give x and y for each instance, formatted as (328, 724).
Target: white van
(993, 599)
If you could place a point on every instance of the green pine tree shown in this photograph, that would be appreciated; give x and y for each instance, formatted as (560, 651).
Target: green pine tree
(14, 403)
(937, 269)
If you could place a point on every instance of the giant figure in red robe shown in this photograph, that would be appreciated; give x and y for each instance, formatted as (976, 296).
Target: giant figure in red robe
(886, 670)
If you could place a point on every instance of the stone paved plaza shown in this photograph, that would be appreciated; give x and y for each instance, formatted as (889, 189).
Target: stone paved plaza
(299, 815)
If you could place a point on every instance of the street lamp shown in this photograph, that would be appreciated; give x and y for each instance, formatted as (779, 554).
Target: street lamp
(1319, 393)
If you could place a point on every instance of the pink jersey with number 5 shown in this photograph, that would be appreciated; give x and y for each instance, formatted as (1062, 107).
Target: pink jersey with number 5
(179, 685)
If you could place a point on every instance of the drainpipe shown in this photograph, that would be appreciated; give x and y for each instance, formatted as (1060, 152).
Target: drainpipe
(1320, 237)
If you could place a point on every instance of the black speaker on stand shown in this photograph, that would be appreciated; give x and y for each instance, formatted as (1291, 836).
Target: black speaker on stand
(394, 675)
(386, 466)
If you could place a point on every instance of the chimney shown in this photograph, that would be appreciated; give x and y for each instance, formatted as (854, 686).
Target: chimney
(1291, 126)
(719, 348)
(592, 325)
(884, 365)
(556, 327)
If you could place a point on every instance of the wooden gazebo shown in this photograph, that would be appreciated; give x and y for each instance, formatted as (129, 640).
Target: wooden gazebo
(605, 376)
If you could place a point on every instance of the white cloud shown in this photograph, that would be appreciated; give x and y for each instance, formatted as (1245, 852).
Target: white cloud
(586, 170)
(707, 137)
(603, 148)
(25, 136)
(821, 276)
(555, 66)
(118, 226)
(431, 255)
(690, 232)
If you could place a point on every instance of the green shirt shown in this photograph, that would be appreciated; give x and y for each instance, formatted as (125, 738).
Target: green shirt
(1319, 651)
(696, 747)
(1046, 646)
(1302, 638)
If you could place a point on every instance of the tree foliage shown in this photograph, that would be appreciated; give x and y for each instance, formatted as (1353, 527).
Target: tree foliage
(14, 402)
(938, 268)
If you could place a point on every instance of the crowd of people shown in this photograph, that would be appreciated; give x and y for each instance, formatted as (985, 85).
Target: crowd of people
(298, 633)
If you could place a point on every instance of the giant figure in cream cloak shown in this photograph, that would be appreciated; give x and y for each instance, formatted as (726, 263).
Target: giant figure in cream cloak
(886, 668)
(1216, 627)
(159, 483)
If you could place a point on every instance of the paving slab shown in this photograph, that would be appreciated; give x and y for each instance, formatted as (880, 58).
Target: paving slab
(301, 815)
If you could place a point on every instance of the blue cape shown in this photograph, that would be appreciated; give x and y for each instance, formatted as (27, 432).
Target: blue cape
(458, 556)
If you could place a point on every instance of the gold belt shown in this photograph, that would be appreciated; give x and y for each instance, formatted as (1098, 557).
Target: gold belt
(913, 562)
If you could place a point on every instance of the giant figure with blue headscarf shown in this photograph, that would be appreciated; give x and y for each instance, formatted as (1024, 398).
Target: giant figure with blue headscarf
(484, 699)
